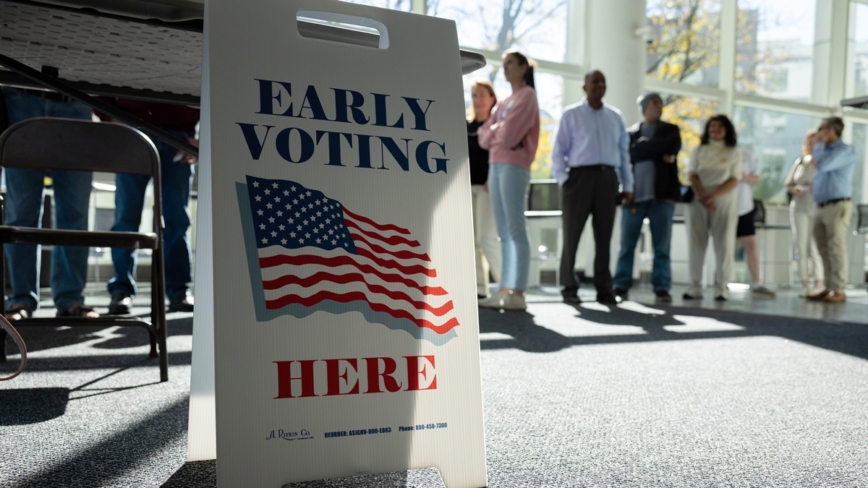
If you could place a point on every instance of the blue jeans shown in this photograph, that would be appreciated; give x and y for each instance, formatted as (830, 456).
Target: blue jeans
(659, 216)
(129, 204)
(25, 189)
(508, 185)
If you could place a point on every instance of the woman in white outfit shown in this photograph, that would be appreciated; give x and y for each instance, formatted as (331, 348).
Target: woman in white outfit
(488, 258)
(799, 184)
(714, 171)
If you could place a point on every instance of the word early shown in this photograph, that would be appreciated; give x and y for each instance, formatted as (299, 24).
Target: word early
(339, 146)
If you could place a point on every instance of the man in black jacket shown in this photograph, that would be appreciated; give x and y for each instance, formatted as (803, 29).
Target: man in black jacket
(654, 145)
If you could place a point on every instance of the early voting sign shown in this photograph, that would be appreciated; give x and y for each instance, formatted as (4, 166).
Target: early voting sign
(336, 249)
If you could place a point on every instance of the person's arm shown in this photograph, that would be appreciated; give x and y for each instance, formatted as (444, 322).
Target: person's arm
(658, 147)
(512, 130)
(790, 180)
(843, 159)
(561, 150)
(698, 189)
(725, 188)
(486, 136)
(625, 169)
(749, 169)
(692, 167)
(752, 180)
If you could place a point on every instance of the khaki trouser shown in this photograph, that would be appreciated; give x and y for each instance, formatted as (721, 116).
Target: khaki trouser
(488, 254)
(830, 231)
(721, 224)
(810, 262)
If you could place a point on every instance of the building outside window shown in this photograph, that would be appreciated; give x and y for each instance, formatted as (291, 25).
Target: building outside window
(858, 55)
(685, 41)
(775, 48)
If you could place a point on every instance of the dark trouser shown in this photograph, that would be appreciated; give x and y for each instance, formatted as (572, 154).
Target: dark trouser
(589, 191)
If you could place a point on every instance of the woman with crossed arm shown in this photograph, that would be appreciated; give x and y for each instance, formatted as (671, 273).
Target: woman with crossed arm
(511, 136)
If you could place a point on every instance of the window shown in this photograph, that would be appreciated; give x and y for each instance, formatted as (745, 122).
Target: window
(858, 59)
(537, 28)
(775, 141)
(776, 48)
(685, 40)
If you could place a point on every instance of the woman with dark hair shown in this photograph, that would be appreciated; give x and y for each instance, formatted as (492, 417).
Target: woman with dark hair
(714, 171)
(511, 136)
(484, 230)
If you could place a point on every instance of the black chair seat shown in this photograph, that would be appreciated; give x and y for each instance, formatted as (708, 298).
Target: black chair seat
(55, 237)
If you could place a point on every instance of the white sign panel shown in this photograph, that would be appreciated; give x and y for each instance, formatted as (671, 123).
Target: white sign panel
(344, 311)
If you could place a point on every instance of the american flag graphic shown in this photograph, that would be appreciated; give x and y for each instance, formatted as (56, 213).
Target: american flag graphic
(314, 253)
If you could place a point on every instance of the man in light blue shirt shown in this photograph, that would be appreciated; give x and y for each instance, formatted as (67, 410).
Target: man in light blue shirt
(833, 187)
(591, 158)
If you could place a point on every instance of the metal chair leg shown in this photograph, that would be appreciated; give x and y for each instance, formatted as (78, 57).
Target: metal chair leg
(153, 337)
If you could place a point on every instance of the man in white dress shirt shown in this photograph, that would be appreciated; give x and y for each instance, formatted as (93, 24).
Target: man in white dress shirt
(591, 158)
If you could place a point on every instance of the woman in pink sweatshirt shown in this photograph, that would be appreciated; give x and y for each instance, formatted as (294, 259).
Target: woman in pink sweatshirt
(511, 135)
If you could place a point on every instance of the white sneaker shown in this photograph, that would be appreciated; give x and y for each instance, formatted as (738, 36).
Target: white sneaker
(513, 301)
(494, 301)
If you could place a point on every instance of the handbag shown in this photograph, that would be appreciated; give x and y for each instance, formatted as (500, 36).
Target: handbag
(688, 195)
(6, 326)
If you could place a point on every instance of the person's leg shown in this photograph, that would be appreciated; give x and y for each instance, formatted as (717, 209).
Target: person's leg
(821, 237)
(632, 218)
(814, 259)
(129, 204)
(514, 185)
(839, 220)
(488, 240)
(24, 195)
(69, 263)
(723, 224)
(660, 216)
(799, 221)
(697, 230)
(605, 206)
(498, 197)
(575, 208)
(72, 198)
(751, 255)
(177, 183)
(477, 195)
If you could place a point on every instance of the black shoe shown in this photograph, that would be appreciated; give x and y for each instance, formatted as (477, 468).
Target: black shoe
(184, 303)
(571, 295)
(481, 297)
(621, 293)
(688, 296)
(120, 304)
(720, 298)
(663, 296)
(607, 299)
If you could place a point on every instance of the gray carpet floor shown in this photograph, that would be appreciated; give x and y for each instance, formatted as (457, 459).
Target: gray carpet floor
(634, 395)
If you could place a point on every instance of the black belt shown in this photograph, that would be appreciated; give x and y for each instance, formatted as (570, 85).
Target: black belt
(832, 202)
(592, 167)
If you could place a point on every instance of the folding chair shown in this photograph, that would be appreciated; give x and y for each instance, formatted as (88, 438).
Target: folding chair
(65, 144)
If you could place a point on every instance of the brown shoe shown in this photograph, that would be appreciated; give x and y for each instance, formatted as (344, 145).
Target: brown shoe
(819, 296)
(836, 297)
